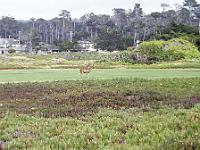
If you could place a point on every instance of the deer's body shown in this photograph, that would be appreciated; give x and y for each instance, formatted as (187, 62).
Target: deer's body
(1, 146)
(85, 69)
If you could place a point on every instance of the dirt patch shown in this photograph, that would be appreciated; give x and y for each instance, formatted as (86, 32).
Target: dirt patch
(81, 98)
(7, 69)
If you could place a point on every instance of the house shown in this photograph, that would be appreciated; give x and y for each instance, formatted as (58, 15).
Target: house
(45, 48)
(54, 49)
(86, 46)
(7, 44)
(81, 46)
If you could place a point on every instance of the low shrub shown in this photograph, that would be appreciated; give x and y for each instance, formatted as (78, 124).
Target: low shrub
(171, 50)
(11, 51)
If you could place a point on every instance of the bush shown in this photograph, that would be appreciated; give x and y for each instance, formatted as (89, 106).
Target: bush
(11, 51)
(151, 51)
(171, 50)
(66, 45)
(181, 49)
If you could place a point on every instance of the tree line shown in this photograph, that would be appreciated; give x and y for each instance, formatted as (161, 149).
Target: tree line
(116, 32)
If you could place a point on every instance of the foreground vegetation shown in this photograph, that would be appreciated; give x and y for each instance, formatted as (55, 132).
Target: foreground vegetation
(107, 129)
(112, 114)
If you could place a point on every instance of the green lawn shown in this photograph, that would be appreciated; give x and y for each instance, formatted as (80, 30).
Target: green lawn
(32, 75)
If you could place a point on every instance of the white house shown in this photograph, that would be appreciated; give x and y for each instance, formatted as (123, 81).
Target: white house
(86, 46)
(10, 43)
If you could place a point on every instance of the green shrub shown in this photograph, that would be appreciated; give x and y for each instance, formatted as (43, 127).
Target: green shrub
(182, 49)
(151, 51)
(11, 51)
(171, 50)
(130, 48)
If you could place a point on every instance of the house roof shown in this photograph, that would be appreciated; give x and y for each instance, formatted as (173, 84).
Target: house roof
(84, 42)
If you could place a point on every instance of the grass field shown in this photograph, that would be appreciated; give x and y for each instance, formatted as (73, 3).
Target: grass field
(32, 75)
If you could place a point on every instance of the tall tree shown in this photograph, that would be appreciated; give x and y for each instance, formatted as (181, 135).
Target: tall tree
(164, 6)
(183, 16)
(137, 14)
(66, 17)
(120, 17)
(110, 41)
(191, 5)
(197, 14)
(9, 27)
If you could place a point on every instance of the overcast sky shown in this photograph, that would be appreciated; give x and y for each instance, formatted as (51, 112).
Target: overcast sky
(25, 9)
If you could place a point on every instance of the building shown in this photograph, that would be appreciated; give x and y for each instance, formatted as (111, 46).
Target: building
(81, 46)
(86, 46)
(7, 44)
(54, 49)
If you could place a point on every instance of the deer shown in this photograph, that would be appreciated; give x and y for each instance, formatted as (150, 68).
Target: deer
(86, 69)
(1, 146)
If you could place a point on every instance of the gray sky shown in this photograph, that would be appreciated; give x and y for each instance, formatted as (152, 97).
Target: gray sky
(25, 9)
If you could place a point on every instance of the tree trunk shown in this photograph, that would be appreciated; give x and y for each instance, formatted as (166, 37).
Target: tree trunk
(135, 38)
(91, 35)
(58, 38)
(144, 36)
(199, 25)
(63, 30)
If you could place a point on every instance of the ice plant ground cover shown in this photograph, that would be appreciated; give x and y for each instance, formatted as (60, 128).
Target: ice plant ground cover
(101, 114)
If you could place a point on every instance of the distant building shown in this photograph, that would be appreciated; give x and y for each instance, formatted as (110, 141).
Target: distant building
(81, 46)
(54, 49)
(86, 46)
(9, 43)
